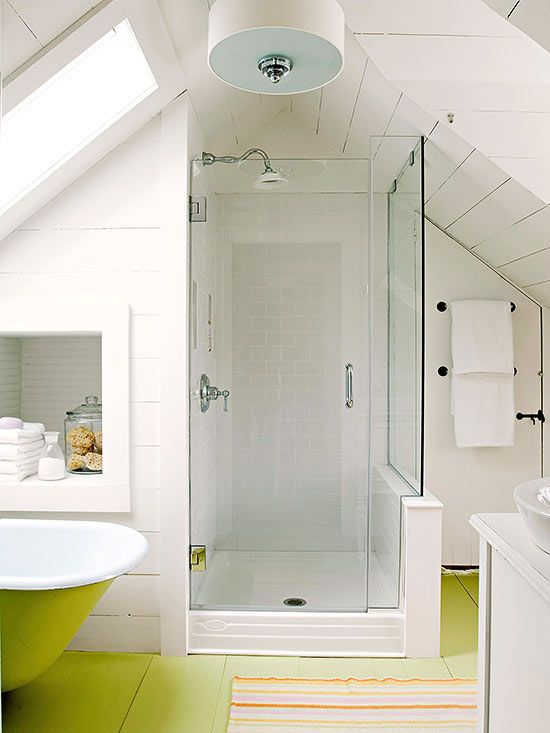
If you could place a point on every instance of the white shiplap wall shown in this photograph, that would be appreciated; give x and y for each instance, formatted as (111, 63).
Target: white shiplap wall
(99, 241)
(10, 377)
(56, 375)
(470, 480)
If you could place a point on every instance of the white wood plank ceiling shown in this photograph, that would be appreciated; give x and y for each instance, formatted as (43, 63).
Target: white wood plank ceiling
(408, 65)
(29, 25)
(530, 16)
(466, 59)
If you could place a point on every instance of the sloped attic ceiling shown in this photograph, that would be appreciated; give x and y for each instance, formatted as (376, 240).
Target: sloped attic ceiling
(465, 59)
(422, 48)
(29, 25)
(530, 16)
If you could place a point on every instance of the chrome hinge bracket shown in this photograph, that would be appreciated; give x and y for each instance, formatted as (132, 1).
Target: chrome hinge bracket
(197, 208)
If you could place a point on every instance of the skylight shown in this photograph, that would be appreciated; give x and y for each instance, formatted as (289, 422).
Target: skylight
(72, 108)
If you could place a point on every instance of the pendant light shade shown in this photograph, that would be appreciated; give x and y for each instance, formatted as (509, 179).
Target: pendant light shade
(276, 46)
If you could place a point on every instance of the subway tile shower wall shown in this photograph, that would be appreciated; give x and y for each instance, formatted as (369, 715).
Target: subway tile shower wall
(284, 478)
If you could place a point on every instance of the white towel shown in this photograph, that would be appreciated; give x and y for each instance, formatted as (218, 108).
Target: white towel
(482, 389)
(482, 337)
(483, 409)
(27, 434)
(20, 451)
(13, 467)
(10, 478)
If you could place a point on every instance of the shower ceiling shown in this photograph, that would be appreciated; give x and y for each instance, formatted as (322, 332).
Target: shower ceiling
(282, 47)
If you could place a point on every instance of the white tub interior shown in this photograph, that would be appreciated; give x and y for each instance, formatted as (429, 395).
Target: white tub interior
(44, 554)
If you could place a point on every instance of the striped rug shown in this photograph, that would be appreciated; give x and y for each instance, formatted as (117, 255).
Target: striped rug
(282, 705)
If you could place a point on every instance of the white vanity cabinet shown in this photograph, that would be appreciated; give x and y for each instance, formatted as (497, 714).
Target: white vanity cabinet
(514, 628)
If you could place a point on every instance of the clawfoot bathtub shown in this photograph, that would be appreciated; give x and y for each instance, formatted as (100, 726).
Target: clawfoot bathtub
(52, 574)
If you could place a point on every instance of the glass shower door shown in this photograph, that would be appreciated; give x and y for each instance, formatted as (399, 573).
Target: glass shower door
(278, 328)
(396, 326)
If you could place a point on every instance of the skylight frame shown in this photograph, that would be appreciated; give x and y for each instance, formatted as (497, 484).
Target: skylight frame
(148, 27)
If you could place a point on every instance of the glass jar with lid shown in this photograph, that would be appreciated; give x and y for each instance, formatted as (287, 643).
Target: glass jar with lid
(84, 437)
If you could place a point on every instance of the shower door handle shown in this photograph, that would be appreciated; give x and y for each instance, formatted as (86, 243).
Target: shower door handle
(349, 386)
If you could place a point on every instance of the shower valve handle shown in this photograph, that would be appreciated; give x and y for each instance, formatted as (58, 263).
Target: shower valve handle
(225, 395)
(214, 393)
(208, 392)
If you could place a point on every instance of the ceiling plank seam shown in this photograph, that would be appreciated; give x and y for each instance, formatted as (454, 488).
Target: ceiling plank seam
(355, 105)
(478, 203)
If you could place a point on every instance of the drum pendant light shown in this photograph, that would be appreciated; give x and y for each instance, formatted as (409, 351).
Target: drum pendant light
(276, 46)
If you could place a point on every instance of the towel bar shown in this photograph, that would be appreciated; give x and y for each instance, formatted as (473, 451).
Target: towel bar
(442, 306)
(443, 371)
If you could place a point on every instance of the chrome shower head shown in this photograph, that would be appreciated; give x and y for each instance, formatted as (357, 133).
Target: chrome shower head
(270, 178)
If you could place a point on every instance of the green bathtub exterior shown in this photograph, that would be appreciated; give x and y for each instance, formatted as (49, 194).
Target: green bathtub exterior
(37, 625)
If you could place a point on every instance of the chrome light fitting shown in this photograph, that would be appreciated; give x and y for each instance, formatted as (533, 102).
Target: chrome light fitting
(276, 46)
(269, 179)
(274, 68)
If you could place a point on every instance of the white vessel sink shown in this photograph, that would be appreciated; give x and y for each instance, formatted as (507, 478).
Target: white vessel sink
(533, 502)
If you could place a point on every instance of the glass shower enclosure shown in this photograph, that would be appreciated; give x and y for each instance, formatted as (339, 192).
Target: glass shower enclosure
(305, 330)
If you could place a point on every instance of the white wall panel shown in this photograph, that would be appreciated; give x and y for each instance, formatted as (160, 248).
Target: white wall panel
(470, 480)
(10, 377)
(118, 634)
(145, 380)
(56, 375)
(98, 241)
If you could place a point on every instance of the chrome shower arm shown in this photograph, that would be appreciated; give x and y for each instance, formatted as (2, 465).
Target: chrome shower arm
(260, 152)
(210, 158)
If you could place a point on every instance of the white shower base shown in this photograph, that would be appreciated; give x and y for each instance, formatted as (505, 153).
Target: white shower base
(327, 581)
(335, 621)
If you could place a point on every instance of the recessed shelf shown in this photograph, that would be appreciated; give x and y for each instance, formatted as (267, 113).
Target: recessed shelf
(55, 355)
(71, 481)
(73, 494)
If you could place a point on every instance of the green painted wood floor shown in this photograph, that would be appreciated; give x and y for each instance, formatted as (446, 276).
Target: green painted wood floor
(146, 693)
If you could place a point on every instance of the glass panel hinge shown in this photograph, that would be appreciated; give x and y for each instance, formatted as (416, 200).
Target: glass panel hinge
(197, 558)
(197, 208)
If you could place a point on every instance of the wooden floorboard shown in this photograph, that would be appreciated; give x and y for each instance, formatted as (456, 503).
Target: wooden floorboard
(143, 693)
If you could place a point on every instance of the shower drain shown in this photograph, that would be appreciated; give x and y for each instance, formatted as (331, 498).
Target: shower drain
(294, 602)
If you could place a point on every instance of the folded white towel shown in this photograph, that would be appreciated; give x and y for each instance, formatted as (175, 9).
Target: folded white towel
(10, 478)
(482, 337)
(12, 467)
(20, 451)
(29, 432)
(39, 427)
(483, 409)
